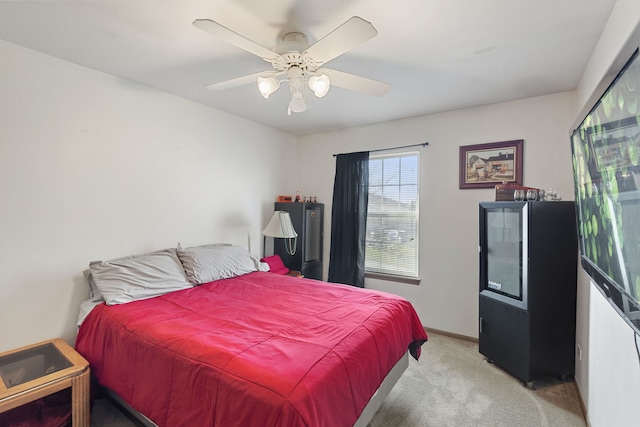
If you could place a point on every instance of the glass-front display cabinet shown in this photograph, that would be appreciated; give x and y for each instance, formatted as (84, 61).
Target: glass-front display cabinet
(528, 274)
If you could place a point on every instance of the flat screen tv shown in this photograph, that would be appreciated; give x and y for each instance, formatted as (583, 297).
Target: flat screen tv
(606, 163)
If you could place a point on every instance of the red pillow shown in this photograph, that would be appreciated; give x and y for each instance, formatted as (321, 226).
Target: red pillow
(275, 264)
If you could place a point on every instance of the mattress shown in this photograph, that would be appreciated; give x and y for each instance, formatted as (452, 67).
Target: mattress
(256, 350)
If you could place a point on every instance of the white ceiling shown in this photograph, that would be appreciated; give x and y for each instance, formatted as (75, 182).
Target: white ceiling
(438, 55)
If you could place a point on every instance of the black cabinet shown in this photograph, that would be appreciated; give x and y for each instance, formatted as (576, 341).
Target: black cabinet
(308, 221)
(528, 275)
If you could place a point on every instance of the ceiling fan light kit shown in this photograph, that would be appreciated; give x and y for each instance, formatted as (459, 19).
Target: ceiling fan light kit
(267, 85)
(319, 85)
(296, 87)
(301, 63)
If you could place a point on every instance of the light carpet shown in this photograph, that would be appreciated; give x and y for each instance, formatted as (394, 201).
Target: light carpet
(451, 385)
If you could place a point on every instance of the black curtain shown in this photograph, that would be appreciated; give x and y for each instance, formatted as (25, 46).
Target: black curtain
(349, 219)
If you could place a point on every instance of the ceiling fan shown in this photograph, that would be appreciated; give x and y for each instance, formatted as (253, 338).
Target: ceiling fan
(293, 60)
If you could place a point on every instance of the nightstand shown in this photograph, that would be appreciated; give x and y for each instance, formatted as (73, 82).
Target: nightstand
(32, 372)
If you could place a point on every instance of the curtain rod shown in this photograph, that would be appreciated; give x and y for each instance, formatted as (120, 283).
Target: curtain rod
(424, 144)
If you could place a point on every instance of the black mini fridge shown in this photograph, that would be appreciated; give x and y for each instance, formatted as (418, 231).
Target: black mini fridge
(308, 221)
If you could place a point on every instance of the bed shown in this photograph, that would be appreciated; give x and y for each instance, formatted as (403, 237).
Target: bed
(250, 348)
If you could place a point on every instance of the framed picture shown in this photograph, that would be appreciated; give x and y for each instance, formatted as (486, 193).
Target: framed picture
(485, 165)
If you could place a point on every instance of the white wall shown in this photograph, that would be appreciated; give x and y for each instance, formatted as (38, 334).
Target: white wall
(447, 297)
(96, 167)
(621, 22)
(613, 367)
(608, 375)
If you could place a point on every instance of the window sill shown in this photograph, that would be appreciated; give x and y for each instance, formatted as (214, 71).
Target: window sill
(393, 278)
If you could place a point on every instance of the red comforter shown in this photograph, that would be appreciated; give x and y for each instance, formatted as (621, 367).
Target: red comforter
(256, 350)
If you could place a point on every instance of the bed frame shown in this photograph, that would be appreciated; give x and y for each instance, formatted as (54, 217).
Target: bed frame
(383, 391)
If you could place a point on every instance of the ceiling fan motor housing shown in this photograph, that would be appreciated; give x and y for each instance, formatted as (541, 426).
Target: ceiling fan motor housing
(292, 53)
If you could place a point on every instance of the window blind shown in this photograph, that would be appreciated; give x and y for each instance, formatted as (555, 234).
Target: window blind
(393, 213)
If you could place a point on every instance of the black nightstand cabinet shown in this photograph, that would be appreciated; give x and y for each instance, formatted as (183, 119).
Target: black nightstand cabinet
(528, 277)
(308, 221)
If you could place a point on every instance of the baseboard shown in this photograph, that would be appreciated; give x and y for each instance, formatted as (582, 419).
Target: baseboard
(585, 415)
(451, 334)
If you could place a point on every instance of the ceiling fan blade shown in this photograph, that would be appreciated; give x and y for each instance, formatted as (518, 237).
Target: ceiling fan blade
(352, 33)
(235, 39)
(239, 81)
(356, 83)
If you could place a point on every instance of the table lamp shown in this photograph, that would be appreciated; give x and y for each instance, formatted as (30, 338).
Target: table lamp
(281, 227)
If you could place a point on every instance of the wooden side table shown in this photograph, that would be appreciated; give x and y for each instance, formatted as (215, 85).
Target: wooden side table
(41, 369)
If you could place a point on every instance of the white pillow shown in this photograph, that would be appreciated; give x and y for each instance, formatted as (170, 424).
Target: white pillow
(139, 277)
(204, 264)
(94, 292)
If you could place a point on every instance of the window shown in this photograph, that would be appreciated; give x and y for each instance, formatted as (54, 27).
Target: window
(392, 217)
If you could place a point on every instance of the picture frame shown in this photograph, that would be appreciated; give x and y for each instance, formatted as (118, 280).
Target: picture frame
(486, 165)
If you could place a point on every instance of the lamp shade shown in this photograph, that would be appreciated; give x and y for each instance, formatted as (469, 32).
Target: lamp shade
(280, 226)
(320, 85)
(267, 85)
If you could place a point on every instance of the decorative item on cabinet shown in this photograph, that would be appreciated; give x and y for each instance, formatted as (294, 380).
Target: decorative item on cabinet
(505, 192)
